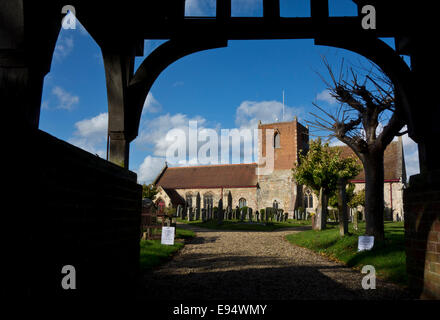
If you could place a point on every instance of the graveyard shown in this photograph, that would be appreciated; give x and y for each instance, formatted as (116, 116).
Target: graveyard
(244, 218)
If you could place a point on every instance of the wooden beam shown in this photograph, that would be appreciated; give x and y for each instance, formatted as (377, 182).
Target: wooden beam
(319, 9)
(223, 9)
(271, 9)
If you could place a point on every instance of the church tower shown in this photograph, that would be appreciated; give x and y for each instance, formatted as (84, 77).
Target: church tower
(276, 187)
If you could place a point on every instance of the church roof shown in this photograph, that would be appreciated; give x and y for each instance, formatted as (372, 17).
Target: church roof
(394, 166)
(174, 196)
(212, 176)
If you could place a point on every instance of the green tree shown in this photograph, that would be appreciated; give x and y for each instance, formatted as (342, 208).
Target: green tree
(349, 193)
(358, 199)
(149, 191)
(319, 169)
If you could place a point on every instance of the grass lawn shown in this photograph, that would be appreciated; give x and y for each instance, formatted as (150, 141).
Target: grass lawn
(388, 256)
(153, 253)
(246, 226)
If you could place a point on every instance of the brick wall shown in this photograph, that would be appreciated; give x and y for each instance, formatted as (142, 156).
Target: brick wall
(285, 156)
(422, 234)
(80, 210)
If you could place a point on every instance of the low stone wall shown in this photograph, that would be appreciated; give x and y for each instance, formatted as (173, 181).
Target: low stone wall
(83, 211)
(422, 234)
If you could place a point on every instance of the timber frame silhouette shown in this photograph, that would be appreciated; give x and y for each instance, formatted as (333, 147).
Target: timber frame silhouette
(101, 219)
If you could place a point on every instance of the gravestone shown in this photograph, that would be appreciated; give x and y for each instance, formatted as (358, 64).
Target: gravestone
(257, 215)
(220, 213)
(250, 214)
(204, 215)
(198, 206)
(189, 213)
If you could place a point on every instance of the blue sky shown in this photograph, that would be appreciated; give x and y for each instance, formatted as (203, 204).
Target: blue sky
(225, 88)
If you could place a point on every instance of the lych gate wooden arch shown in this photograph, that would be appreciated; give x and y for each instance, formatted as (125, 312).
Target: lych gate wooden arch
(29, 31)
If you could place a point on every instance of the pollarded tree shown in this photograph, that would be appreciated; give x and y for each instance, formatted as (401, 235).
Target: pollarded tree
(320, 170)
(367, 120)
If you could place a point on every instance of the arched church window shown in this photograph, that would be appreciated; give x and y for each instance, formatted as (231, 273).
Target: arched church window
(308, 199)
(207, 200)
(242, 202)
(276, 140)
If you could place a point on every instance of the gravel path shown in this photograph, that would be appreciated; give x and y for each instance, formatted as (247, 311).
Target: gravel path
(253, 265)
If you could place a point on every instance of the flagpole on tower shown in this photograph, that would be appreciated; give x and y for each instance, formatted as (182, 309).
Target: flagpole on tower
(283, 104)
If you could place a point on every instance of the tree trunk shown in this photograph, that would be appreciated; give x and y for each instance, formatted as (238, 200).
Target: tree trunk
(321, 211)
(342, 208)
(374, 201)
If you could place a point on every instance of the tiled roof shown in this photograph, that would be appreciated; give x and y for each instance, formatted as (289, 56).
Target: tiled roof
(213, 176)
(393, 161)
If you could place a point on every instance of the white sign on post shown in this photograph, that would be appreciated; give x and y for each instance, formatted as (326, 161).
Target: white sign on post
(365, 243)
(167, 235)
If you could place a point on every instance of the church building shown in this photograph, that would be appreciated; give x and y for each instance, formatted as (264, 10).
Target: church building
(249, 185)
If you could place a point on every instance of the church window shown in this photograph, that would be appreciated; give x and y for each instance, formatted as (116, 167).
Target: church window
(242, 202)
(276, 140)
(308, 199)
(207, 200)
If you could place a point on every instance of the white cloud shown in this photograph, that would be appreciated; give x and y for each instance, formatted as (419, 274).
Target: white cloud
(326, 97)
(154, 131)
(91, 134)
(66, 100)
(336, 142)
(249, 112)
(411, 154)
(200, 7)
(151, 105)
(149, 169)
(63, 47)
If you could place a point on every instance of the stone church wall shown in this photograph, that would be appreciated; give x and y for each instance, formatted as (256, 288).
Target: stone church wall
(278, 186)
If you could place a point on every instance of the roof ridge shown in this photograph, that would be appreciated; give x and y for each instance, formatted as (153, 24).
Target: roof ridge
(214, 165)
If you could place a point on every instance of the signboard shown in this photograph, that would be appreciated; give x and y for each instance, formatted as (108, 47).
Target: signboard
(365, 243)
(167, 235)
